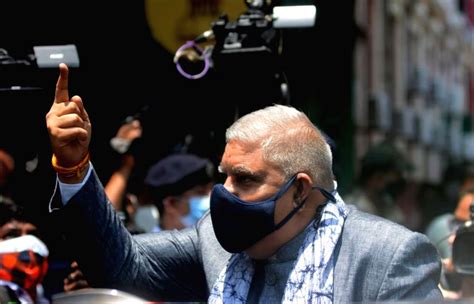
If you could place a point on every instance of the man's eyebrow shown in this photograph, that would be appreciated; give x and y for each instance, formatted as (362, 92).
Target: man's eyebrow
(242, 171)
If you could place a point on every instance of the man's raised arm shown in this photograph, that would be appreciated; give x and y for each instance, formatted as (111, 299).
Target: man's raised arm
(69, 131)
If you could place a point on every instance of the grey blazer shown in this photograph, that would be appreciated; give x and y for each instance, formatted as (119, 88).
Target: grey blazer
(376, 260)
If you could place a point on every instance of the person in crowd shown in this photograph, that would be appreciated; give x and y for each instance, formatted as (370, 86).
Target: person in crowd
(179, 185)
(13, 220)
(277, 230)
(441, 231)
(23, 256)
(117, 185)
(456, 285)
(462, 261)
(381, 178)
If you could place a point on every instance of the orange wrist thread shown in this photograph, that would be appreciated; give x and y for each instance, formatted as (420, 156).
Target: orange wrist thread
(70, 171)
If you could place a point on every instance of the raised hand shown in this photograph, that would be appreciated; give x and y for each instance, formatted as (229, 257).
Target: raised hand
(68, 124)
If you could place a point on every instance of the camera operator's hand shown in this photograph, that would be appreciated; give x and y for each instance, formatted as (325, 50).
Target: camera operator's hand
(130, 131)
(448, 265)
(69, 127)
(117, 184)
(125, 136)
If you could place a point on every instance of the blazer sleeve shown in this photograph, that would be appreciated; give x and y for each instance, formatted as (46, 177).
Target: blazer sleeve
(414, 271)
(158, 266)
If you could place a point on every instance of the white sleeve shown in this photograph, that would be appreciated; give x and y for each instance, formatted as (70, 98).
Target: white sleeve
(68, 190)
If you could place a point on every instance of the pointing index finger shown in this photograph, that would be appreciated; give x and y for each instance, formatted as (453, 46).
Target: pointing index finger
(62, 91)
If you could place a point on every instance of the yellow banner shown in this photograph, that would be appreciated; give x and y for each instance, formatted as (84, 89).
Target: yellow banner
(173, 22)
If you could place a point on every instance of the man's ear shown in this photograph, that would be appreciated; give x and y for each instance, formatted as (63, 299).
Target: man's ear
(304, 184)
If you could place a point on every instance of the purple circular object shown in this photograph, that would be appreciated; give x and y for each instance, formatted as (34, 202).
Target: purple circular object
(189, 44)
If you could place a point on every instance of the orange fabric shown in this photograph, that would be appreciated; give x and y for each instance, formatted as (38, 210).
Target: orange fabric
(9, 261)
(26, 269)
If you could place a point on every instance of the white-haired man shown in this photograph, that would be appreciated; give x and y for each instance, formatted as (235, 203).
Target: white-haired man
(277, 231)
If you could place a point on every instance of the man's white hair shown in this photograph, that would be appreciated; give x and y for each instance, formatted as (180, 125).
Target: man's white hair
(288, 140)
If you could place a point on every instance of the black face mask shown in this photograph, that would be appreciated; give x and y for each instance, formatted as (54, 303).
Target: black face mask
(239, 224)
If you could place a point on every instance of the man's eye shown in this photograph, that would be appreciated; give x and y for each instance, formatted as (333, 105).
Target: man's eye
(244, 179)
(12, 234)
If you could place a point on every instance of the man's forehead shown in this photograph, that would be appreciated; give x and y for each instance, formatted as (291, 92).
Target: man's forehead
(244, 159)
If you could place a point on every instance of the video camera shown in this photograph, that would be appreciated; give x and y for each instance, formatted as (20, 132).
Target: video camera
(463, 247)
(252, 39)
(255, 30)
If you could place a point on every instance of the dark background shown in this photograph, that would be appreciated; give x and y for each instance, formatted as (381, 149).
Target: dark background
(123, 69)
